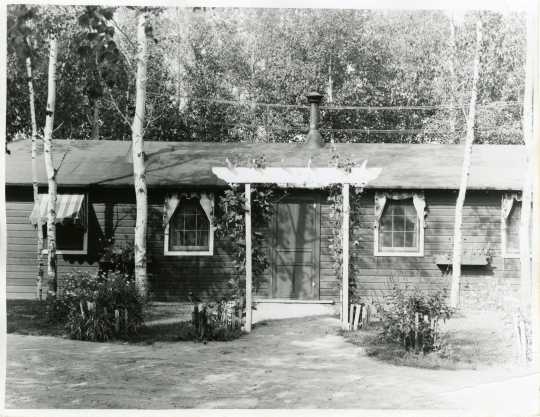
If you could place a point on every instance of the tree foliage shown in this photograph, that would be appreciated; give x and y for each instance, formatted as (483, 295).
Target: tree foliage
(226, 74)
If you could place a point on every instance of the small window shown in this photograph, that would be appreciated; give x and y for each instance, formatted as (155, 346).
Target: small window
(189, 231)
(399, 232)
(71, 223)
(70, 238)
(511, 232)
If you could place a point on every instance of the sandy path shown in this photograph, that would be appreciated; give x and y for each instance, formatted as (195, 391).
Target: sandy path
(296, 363)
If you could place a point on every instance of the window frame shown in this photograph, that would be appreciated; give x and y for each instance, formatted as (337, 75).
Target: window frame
(418, 252)
(504, 228)
(84, 250)
(209, 252)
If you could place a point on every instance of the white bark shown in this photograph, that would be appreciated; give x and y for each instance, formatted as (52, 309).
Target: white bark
(249, 272)
(139, 168)
(51, 172)
(465, 171)
(345, 258)
(453, 77)
(525, 223)
(534, 39)
(35, 187)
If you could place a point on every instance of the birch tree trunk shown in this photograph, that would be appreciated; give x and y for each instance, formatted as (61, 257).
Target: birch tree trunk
(453, 78)
(139, 169)
(465, 171)
(526, 211)
(534, 37)
(35, 187)
(51, 171)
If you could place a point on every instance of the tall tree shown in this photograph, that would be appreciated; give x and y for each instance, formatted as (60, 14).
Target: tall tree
(525, 222)
(524, 314)
(21, 41)
(465, 171)
(139, 166)
(51, 170)
(35, 183)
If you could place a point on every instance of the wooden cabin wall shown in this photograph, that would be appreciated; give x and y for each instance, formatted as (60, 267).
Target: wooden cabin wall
(112, 213)
(482, 286)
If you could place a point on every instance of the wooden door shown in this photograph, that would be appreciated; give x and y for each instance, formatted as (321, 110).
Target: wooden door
(296, 249)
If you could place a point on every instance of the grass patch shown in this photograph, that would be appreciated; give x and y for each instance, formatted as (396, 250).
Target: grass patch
(462, 349)
(182, 331)
(29, 317)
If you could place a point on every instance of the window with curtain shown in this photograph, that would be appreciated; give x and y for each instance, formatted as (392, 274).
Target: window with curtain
(399, 227)
(189, 227)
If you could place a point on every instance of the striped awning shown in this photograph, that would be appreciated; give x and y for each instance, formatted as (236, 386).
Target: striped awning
(69, 208)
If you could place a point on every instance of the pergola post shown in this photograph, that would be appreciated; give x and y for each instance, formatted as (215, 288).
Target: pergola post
(248, 258)
(345, 258)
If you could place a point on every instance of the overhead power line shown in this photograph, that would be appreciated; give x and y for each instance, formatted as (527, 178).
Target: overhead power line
(333, 107)
(303, 129)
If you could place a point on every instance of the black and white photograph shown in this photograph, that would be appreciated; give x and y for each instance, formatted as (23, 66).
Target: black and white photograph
(279, 207)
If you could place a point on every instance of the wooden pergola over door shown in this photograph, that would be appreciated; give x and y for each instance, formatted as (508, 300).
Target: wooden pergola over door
(298, 177)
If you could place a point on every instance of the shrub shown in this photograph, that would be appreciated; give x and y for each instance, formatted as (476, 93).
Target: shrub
(119, 257)
(98, 307)
(215, 321)
(411, 318)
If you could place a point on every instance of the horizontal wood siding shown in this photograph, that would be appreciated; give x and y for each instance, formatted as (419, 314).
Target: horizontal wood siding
(21, 267)
(481, 285)
(112, 213)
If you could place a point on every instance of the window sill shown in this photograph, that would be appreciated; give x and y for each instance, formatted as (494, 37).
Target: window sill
(512, 255)
(291, 301)
(399, 254)
(189, 253)
(466, 260)
(66, 252)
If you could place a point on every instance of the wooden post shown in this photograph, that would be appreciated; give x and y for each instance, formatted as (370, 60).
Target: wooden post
(416, 331)
(345, 257)
(248, 257)
(357, 316)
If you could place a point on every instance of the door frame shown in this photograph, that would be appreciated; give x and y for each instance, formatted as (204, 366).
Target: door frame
(299, 196)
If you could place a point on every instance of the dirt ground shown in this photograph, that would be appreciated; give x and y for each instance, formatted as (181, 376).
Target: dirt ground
(294, 363)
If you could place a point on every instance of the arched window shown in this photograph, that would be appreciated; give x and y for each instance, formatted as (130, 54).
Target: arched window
(189, 231)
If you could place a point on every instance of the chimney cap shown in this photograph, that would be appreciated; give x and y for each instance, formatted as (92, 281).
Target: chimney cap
(314, 97)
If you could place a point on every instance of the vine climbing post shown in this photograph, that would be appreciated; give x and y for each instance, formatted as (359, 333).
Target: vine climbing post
(345, 259)
(248, 257)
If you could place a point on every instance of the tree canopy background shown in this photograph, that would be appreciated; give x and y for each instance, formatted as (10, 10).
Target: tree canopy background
(226, 74)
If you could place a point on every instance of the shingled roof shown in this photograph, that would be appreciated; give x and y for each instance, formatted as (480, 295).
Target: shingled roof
(407, 166)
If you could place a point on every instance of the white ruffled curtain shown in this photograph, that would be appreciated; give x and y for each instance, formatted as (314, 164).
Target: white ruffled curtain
(381, 198)
(172, 200)
(507, 204)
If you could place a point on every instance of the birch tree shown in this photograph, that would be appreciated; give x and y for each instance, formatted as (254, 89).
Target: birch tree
(139, 168)
(51, 171)
(21, 41)
(525, 220)
(465, 172)
(35, 184)
(523, 316)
